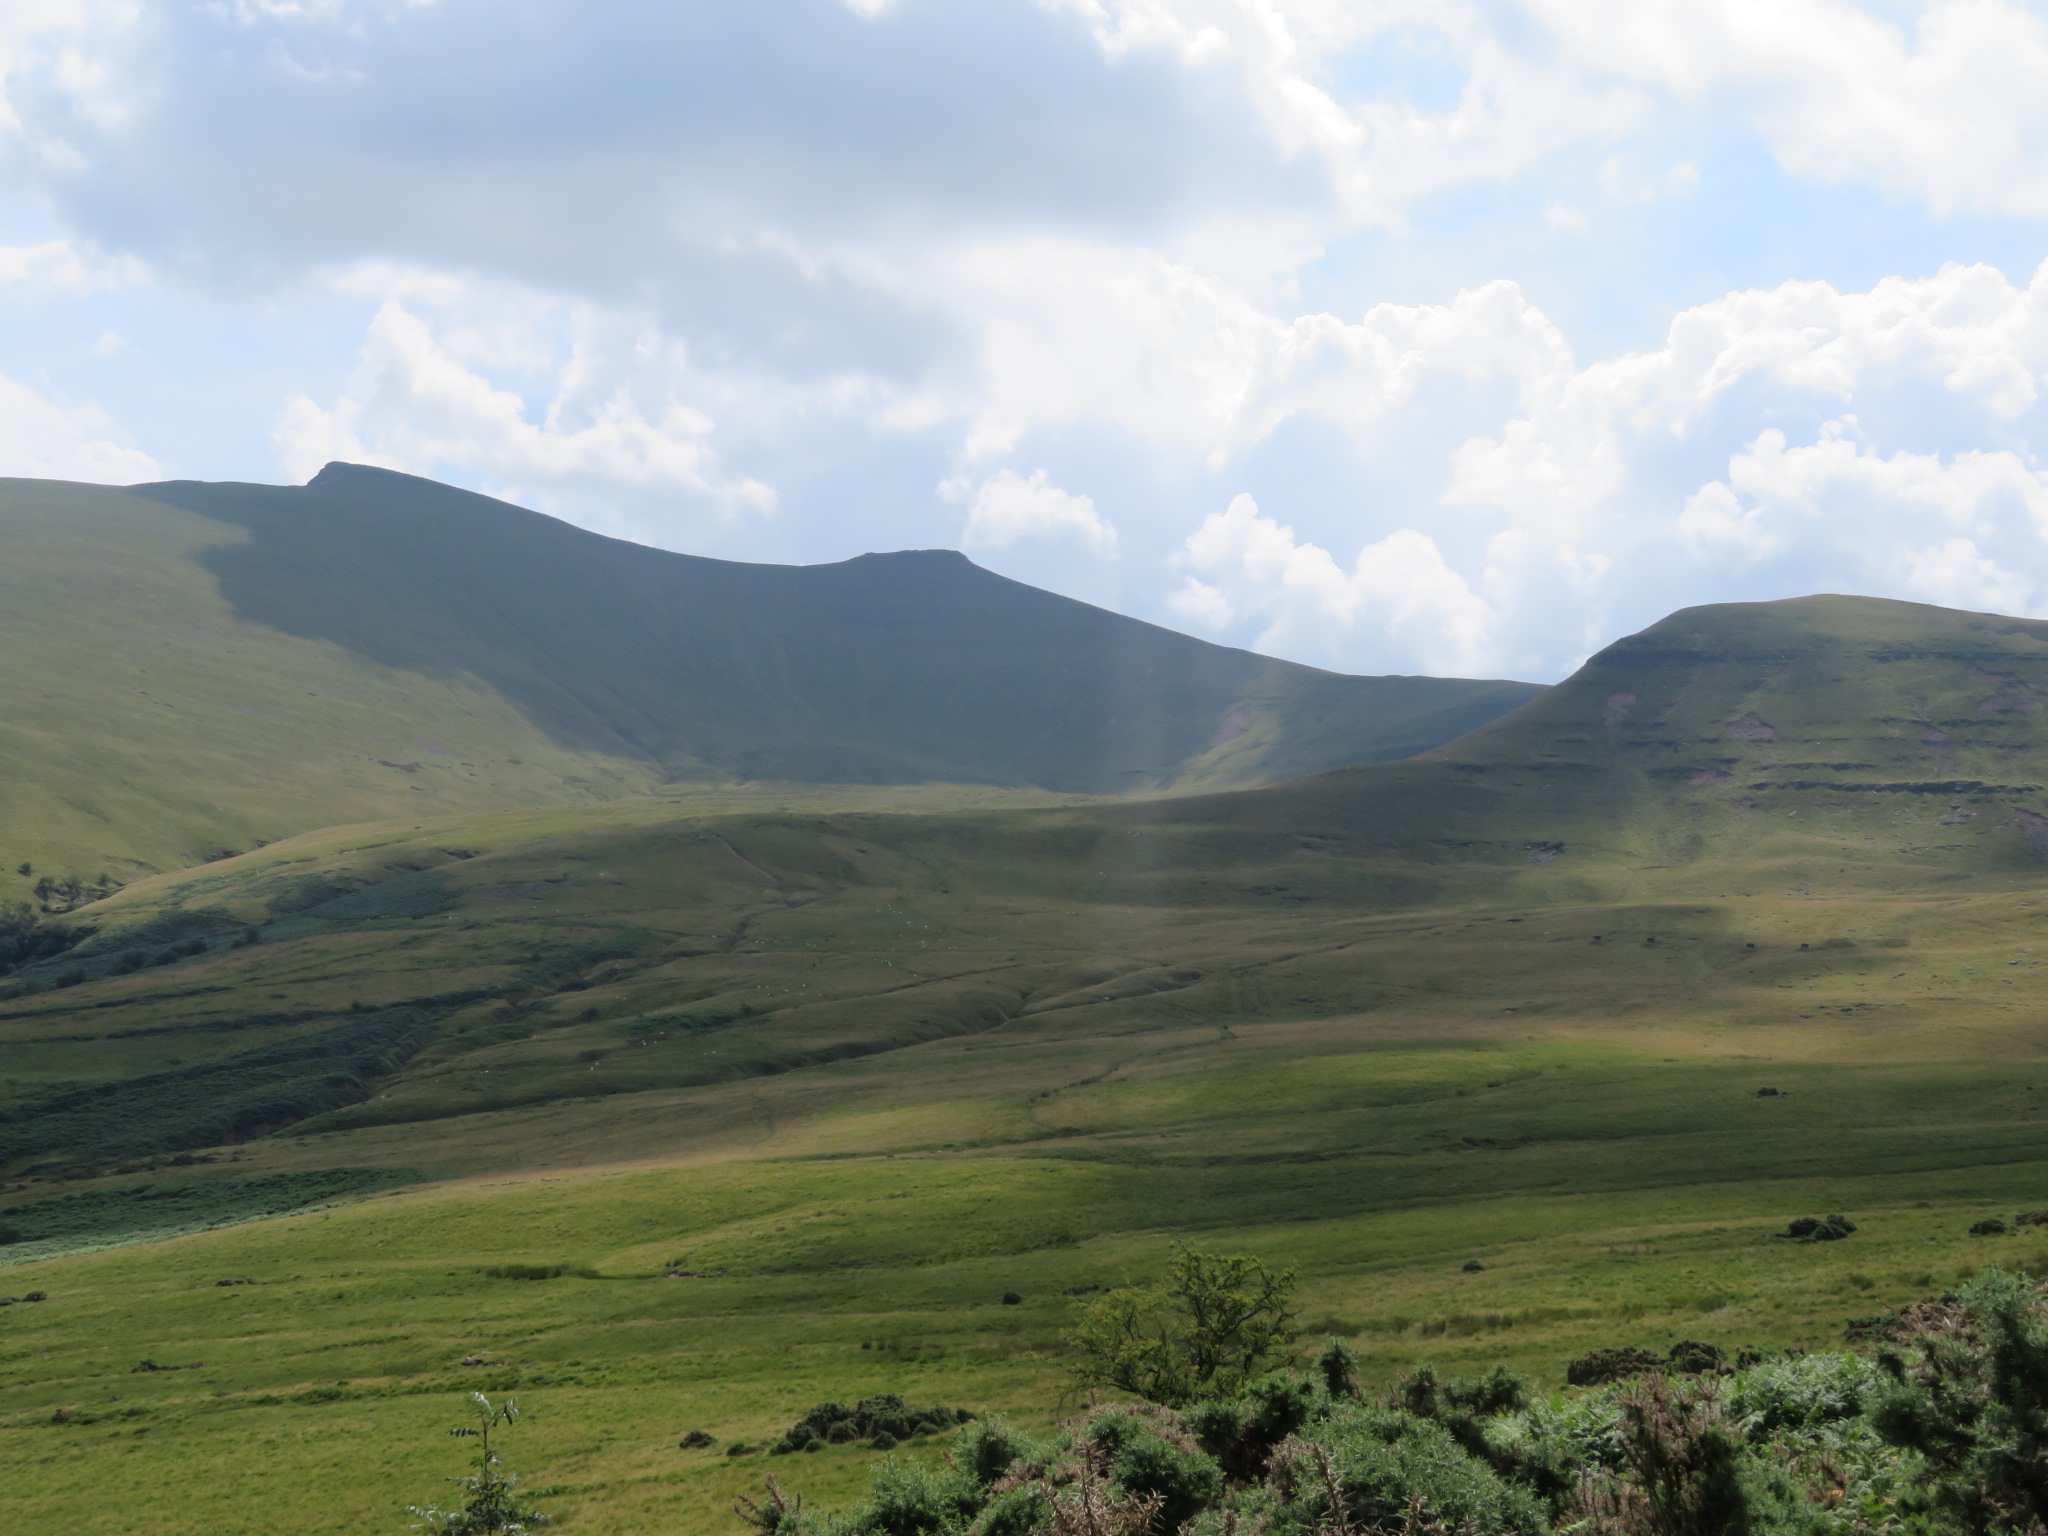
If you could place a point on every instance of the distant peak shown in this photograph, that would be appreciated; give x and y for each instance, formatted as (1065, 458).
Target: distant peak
(340, 471)
(952, 556)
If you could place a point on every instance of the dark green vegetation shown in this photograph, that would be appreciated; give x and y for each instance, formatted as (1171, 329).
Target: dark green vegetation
(1216, 1323)
(188, 669)
(742, 1103)
(883, 1421)
(133, 1213)
(1943, 1431)
(225, 1099)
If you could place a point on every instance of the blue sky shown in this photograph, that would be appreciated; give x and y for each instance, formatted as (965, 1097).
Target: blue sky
(1385, 335)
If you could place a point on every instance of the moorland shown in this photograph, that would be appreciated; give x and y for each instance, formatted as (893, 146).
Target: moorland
(690, 1104)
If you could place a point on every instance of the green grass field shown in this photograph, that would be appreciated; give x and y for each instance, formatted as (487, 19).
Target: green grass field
(858, 1066)
(312, 1398)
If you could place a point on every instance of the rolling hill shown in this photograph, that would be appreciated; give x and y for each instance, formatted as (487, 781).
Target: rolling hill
(190, 668)
(720, 1106)
(1813, 751)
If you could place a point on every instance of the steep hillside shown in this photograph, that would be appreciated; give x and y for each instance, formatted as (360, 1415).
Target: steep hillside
(893, 669)
(188, 667)
(1916, 731)
(143, 725)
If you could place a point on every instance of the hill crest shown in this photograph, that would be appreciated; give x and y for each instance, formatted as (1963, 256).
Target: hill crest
(244, 662)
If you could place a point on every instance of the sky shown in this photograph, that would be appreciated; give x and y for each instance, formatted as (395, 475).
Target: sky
(1456, 337)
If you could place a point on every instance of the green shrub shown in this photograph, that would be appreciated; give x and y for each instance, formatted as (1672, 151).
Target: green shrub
(988, 1450)
(910, 1498)
(1021, 1511)
(1218, 1321)
(1151, 1455)
(1241, 1432)
(1596, 1367)
(1338, 1367)
(1966, 1386)
(1819, 1229)
(1683, 1463)
(883, 1414)
(1375, 1463)
(1800, 1392)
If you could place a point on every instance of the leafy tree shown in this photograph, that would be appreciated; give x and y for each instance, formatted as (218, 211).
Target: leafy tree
(490, 1501)
(1218, 1321)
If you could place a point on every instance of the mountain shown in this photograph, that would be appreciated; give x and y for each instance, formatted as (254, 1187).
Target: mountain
(721, 1105)
(1824, 749)
(1916, 732)
(187, 668)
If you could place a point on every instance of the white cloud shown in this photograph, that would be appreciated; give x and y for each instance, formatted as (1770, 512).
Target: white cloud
(1875, 512)
(420, 401)
(41, 439)
(1070, 332)
(44, 35)
(58, 266)
(1557, 468)
(1400, 586)
(1954, 112)
(1382, 153)
(1956, 575)
(1008, 507)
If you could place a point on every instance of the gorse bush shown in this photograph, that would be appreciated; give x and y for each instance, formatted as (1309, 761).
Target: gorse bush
(1943, 1433)
(883, 1420)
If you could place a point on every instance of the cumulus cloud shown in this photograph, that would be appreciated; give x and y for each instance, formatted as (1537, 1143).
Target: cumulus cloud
(1401, 586)
(421, 399)
(1877, 512)
(1573, 518)
(1008, 507)
(44, 439)
(1953, 111)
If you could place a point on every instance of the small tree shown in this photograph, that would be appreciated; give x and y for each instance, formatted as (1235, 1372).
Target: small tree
(1218, 1321)
(490, 1504)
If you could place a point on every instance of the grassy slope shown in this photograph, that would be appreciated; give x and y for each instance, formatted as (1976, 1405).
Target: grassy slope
(190, 667)
(143, 725)
(1376, 1024)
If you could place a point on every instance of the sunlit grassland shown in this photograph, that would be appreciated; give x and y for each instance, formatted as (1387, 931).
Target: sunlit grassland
(1610, 1167)
(313, 1398)
(862, 1066)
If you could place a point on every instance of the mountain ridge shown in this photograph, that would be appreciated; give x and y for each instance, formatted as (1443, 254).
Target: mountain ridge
(240, 663)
